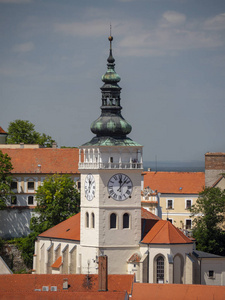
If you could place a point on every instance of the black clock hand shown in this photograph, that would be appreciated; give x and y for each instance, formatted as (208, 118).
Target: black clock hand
(125, 181)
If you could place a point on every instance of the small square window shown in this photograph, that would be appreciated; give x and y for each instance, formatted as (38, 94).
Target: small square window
(30, 185)
(13, 200)
(211, 273)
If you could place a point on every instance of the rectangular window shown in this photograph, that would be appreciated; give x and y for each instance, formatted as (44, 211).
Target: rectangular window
(169, 204)
(78, 185)
(111, 159)
(188, 204)
(13, 200)
(170, 220)
(188, 224)
(30, 200)
(14, 185)
(30, 185)
(211, 274)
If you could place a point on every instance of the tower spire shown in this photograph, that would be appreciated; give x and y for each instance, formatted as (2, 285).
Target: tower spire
(111, 126)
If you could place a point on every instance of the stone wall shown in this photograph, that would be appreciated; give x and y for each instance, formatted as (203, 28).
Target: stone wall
(12, 257)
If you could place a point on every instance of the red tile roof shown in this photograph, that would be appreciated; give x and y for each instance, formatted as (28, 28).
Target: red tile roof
(135, 258)
(57, 263)
(44, 160)
(163, 232)
(24, 283)
(145, 214)
(2, 131)
(146, 291)
(68, 229)
(175, 182)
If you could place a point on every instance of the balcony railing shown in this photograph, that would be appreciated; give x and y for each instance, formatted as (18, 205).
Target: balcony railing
(90, 165)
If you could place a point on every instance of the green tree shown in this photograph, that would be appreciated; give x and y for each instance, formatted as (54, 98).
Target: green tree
(21, 131)
(209, 220)
(57, 200)
(5, 178)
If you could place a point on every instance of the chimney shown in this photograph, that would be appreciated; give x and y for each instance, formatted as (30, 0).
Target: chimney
(65, 284)
(54, 145)
(103, 273)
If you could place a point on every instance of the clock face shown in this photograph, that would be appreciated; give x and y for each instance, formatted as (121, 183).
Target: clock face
(89, 187)
(120, 187)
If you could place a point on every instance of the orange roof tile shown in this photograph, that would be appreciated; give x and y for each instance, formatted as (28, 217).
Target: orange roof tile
(175, 182)
(77, 283)
(57, 263)
(145, 214)
(37, 295)
(44, 160)
(146, 291)
(135, 258)
(2, 131)
(163, 232)
(68, 229)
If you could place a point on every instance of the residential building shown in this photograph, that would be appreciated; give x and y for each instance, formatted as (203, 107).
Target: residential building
(31, 165)
(174, 193)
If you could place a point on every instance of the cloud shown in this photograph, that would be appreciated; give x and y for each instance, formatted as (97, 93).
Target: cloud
(88, 29)
(15, 1)
(171, 33)
(24, 47)
(215, 23)
(172, 18)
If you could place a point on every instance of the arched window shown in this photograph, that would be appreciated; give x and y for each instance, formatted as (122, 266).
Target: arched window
(87, 219)
(113, 220)
(93, 220)
(126, 220)
(160, 269)
(30, 200)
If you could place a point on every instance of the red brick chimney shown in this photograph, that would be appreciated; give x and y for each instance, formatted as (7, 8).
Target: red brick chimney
(103, 273)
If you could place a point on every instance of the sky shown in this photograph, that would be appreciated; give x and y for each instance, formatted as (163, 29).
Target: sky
(170, 55)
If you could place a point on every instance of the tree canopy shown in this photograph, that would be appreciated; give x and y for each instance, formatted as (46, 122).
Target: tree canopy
(209, 221)
(57, 200)
(22, 131)
(5, 178)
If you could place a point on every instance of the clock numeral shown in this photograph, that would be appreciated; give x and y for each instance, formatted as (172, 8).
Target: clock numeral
(128, 192)
(115, 177)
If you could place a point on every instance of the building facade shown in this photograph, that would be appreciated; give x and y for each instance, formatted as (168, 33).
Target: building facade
(175, 192)
(31, 165)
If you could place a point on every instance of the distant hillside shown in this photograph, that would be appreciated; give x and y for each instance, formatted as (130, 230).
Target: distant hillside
(174, 166)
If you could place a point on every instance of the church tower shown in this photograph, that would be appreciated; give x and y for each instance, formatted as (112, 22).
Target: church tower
(110, 166)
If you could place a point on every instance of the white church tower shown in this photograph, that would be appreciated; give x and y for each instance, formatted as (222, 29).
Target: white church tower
(110, 166)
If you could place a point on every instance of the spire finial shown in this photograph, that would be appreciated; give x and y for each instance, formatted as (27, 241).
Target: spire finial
(110, 38)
